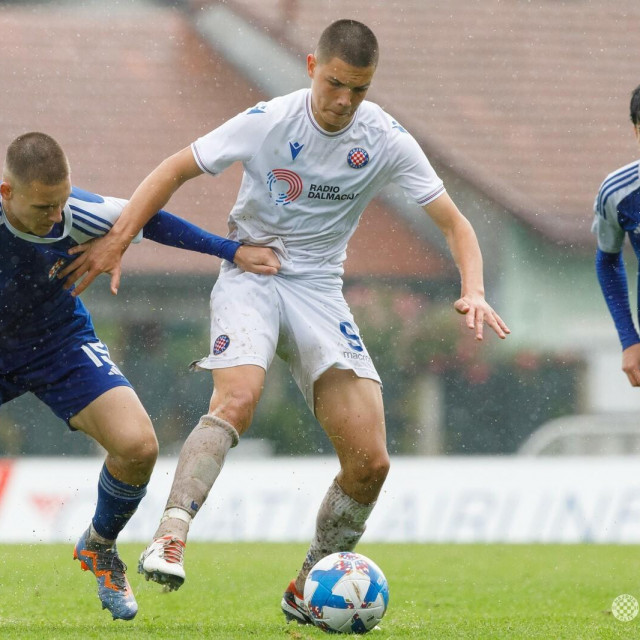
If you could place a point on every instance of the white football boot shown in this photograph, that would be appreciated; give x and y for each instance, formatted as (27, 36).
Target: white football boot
(163, 562)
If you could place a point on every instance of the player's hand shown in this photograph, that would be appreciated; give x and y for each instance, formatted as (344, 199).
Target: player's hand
(478, 312)
(262, 260)
(631, 364)
(102, 255)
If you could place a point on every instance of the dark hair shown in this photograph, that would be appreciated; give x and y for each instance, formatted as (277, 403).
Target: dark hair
(38, 157)
(634, 107)
(350, 41)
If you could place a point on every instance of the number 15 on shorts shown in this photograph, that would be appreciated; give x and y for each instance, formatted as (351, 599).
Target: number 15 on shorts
(98, 353)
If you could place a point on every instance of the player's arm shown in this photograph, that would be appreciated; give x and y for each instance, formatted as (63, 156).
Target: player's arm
(168, 229)
(609, 227)
(466, 253)
(612, 277)
(105, 254)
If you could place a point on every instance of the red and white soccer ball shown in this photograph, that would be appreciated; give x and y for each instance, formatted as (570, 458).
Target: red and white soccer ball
(346, 593)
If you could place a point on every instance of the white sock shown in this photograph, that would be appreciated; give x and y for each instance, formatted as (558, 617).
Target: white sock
(200, 462)
(340, 524)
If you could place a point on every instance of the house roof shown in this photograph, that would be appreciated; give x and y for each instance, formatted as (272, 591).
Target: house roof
(122, 90)
(526, 100)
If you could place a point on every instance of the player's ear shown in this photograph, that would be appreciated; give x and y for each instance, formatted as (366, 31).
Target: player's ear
(5, 190)
(311, 64)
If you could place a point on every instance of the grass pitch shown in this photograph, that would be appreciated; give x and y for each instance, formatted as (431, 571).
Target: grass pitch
(234, 590)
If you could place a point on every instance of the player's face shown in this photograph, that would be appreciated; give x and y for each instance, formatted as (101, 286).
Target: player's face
(34, 208)
(337, 89)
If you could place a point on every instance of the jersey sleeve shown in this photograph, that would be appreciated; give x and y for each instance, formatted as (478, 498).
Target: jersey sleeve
(165, 228)
(612, 277)
(411, 169)
(606, 225)
(238, 139)
(94, 215)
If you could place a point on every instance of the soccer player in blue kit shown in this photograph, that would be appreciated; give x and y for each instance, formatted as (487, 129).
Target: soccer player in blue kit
(617, 214)
(48, 344)
(312, 161)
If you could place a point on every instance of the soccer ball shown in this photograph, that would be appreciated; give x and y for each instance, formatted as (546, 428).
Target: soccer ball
(346, 593)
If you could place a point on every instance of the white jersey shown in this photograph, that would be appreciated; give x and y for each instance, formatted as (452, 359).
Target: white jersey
(304, 189)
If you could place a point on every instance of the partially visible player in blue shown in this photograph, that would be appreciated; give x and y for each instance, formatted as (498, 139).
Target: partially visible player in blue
(48, 344)
(617, 209)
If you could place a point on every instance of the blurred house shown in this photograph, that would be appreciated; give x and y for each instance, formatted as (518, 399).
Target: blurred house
(521, 107)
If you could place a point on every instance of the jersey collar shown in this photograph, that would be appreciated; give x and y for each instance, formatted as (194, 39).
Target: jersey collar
(29, 237)
(318, 128)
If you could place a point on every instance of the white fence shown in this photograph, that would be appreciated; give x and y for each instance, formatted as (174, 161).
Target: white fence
(505, 499)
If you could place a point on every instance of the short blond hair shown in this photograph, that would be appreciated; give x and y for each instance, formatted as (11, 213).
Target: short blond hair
(36, 156)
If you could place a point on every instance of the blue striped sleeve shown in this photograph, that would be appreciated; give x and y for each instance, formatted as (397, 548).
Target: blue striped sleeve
(612, 277)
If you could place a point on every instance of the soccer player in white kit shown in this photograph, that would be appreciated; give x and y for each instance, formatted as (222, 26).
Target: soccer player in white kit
(312, 161)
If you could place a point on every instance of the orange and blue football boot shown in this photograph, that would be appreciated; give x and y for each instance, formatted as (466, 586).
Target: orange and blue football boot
(114, 590)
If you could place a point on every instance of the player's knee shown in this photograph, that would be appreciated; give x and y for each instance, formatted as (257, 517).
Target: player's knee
(139, 452)
(148, 450)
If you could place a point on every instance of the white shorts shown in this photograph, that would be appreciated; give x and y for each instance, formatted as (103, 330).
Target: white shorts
(306, 322)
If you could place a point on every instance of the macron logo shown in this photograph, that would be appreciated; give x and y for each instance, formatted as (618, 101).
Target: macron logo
(296, 148)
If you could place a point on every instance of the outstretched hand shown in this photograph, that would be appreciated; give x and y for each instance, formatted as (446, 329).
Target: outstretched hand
(478, 312)
(102, 255)
(631, 364)
(262, 260)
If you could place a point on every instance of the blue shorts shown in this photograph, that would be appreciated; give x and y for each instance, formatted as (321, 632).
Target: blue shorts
(67, 380)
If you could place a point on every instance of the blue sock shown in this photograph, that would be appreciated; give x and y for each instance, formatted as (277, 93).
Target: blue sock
(117, 502)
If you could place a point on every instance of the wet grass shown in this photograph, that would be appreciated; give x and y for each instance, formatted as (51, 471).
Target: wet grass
(234, 590)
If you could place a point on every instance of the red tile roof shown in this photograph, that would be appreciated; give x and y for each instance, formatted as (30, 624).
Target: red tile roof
(527, 100)
(123, 90)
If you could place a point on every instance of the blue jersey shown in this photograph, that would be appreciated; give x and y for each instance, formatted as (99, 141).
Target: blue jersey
(617, 209)
(37, 315)
(617, 214)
